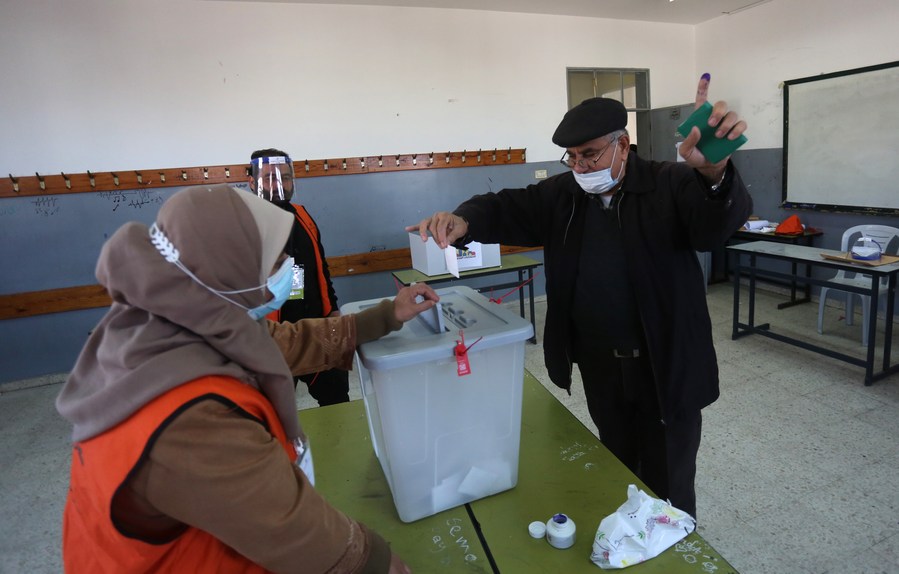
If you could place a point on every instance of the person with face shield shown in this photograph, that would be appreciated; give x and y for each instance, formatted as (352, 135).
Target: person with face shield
(624, 289)
(312, 294)
(186, 438)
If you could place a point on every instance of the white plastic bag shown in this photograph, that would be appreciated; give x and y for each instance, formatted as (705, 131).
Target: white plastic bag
(641, 528)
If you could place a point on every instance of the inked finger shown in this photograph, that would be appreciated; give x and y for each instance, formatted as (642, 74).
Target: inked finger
(702, 90)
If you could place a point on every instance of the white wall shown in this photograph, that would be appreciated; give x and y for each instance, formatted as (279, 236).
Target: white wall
(750, 53)
(118, 84)
(136, 84)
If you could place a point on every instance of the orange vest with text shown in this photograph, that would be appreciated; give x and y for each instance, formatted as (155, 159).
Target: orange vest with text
(101, 465)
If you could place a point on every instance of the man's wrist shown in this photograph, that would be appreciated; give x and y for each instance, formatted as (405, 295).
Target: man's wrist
(715, 186)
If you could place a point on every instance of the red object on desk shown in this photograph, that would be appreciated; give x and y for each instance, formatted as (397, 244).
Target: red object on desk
(790, 226)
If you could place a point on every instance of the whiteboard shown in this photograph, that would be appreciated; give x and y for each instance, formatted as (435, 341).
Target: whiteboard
(841, 141)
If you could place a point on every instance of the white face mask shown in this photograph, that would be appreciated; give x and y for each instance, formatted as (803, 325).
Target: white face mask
(599, 181)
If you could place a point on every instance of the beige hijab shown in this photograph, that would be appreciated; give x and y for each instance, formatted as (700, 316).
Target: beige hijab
(164, 328)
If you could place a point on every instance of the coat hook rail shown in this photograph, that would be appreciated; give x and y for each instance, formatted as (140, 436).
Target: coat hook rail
(145, 179)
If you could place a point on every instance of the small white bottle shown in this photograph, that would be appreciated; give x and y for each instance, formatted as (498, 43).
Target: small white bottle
(560, 531)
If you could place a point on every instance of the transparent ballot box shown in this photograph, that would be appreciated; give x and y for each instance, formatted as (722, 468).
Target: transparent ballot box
(444, 439)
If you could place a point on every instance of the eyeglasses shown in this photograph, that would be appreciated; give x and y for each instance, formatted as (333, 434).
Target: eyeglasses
(568, 161)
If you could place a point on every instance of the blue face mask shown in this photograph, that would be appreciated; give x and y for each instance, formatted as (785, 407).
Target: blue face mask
(279, 284)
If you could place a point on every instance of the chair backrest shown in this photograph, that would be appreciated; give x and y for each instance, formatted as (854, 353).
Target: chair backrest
(884, 235)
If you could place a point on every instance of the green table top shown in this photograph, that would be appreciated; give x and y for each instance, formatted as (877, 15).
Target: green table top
(348, 475)
(510, 262)
(562, 468)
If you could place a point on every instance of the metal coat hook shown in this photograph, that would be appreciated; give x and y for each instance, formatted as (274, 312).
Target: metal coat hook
(494, 155)
(15, 183)
(205, 173)
(431, 158)
(415, 159)
(326, 165)
(307, 166)
(162, 176)
(227, 172)
(92, 178)
(362, 159)
(479, 156)
(184, 175)
(140, 178)
(523, 154)
(68, 181)
(380, 161)
(41, 181)
(344, 163)
(464, 151)
(115, 179)
(397, 160)
(447, 157)
(509, 155)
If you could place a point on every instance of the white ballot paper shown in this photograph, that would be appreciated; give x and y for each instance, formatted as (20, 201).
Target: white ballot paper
(304, 459)
(452, 261)
(472, 257)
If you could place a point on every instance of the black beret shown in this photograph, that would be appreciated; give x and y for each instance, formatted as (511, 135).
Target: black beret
(589, 120)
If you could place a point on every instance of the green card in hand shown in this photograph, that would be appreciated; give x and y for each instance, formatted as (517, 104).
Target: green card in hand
(714, 149)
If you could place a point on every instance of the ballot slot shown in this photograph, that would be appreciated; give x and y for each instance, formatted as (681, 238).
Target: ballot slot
(432, 318)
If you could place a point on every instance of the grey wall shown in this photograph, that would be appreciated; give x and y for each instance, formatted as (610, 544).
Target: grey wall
(53, 241)
(762, 171)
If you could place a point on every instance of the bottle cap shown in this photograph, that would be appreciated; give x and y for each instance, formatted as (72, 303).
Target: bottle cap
(537, 529)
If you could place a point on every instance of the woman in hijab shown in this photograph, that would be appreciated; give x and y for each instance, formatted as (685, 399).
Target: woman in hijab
(186, 433)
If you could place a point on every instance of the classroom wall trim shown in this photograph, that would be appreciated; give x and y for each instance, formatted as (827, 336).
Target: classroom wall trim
(35, 303)
(87, 182)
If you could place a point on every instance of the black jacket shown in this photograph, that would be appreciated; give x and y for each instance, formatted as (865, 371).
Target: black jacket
(667, 213)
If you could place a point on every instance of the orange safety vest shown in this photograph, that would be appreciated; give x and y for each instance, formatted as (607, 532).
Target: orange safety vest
(312, 230)
(101, 465)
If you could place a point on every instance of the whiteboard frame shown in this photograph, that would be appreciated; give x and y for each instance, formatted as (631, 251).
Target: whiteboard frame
(788, 204)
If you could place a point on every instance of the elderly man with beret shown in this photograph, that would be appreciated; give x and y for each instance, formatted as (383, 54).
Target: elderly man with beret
(625, 292)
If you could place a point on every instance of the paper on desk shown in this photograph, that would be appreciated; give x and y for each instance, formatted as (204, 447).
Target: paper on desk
(642, 528)
(452, 261)
(304, 459)
(756, 224)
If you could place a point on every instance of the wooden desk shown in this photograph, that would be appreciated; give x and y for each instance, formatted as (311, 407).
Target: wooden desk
(806, 238)
(811, 257)
(562, 468)
(508, 263)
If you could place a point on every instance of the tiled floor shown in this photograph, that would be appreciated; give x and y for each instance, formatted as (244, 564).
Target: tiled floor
(798, 469)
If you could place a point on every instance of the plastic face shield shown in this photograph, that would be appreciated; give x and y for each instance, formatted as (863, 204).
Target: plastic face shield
(273, 177)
